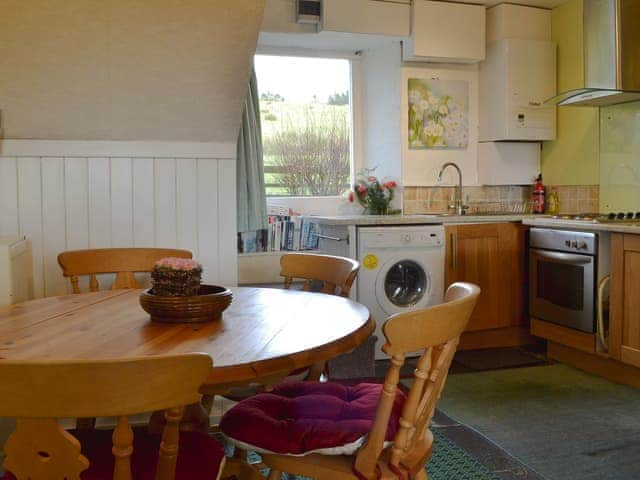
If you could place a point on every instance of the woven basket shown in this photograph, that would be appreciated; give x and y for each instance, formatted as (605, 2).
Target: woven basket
(207, 306)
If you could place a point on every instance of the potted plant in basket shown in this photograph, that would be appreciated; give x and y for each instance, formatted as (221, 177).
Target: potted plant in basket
(177, 295)
(179, 277)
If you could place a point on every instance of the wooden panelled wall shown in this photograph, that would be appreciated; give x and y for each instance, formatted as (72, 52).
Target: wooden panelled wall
(75, 202)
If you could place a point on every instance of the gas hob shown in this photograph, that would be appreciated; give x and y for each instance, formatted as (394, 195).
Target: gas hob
(612, 217)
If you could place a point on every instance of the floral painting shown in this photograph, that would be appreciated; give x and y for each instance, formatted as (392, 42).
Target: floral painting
(438, 114)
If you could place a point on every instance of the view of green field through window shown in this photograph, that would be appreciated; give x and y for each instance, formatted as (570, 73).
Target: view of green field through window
(306, 124)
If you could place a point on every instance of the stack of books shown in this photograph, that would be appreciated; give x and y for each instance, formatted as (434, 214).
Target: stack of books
(285, 233)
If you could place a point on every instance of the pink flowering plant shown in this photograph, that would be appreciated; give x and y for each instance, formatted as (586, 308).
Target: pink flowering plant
(176, 277)
(375, 196)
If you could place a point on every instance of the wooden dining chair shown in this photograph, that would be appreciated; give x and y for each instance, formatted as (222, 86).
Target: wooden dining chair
(39, 448)
(332, 275)
(324, 273)
(368, 431)
(123, 262)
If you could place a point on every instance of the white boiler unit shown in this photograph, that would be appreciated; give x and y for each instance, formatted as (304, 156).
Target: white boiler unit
(515, 80)
(16, 270)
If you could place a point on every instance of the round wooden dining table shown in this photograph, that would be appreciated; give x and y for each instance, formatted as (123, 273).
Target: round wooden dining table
(264, 333)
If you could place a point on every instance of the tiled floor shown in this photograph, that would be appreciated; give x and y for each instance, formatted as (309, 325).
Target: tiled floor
(486, 452)
(478, 360)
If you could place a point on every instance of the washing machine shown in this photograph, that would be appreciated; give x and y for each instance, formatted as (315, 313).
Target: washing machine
(402, 269)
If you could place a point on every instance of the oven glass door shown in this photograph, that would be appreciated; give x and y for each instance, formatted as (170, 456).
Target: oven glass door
(561, 288)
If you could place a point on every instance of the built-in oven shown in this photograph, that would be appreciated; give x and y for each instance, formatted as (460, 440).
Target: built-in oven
(565, 269)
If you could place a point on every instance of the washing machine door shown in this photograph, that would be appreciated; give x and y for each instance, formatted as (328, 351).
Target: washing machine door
(403, 284)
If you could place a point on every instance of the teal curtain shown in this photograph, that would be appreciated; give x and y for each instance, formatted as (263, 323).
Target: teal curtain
(252, 202)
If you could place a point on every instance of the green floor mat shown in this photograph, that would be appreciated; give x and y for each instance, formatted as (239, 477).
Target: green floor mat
(449, 462)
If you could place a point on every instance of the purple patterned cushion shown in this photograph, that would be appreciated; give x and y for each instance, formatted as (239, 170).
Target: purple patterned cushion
(303, 417)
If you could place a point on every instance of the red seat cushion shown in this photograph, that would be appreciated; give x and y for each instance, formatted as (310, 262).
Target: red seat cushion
(303, 417)
(199, 456)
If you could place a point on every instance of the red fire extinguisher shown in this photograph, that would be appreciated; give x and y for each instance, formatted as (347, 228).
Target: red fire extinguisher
(538, 196)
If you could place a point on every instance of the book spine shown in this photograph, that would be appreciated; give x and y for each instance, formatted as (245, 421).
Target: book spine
(296, 233)
(304, 237)
(290, 234)
(278, 237)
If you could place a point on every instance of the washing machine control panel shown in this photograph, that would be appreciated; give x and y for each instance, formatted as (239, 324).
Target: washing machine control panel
(422, 239)
(413, 238)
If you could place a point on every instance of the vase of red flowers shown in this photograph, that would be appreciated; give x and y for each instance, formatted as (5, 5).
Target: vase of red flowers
(375, 196)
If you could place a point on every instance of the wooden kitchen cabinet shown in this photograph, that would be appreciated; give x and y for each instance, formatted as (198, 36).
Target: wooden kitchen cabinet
(446, 32)
(624, 324)
(493, 257)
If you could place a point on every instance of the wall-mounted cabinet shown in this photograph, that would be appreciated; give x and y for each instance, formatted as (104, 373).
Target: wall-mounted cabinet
(515, 79)
(366, 16)
(518, 21)
(446, 32)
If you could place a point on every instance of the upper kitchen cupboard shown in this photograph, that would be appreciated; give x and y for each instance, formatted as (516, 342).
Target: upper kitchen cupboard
(490, 255)
(366, 16)
(446, 32)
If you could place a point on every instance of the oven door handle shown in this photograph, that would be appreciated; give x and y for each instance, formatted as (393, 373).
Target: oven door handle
(564, 257)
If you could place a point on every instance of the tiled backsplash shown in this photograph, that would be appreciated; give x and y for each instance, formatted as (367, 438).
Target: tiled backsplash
(577, 198)
(419, 200)
(573, 199)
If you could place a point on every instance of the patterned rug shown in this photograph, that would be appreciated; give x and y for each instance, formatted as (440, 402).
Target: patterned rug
(449, 462)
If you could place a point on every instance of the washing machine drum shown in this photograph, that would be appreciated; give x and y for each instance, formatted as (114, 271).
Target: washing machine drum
(402, 284)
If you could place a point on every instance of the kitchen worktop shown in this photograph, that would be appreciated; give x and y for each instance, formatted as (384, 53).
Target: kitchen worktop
(433, 219)
(561, 223)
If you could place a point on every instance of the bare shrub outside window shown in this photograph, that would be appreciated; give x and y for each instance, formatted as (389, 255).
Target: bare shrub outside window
(306, 124)
(309, 153)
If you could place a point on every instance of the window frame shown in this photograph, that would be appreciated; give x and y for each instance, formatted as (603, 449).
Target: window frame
(355, 105)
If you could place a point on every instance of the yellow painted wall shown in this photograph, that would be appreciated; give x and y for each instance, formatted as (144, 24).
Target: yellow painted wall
(620, 157)
(573, 158)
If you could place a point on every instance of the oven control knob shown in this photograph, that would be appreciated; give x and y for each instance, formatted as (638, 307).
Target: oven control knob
(583, 245)
(406, 238)
(567, 243)
(629, 215)
(620, 216)
(574, 244)
(612, 216)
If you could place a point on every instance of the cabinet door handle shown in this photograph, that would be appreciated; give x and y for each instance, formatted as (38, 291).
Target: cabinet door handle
(454, 251)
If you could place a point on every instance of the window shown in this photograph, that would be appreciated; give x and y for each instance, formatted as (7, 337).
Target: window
(306, 124)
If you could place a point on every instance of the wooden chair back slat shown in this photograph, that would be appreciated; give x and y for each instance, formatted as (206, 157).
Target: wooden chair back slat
(124, 262)
(57, 451)
(94, 286)
(336, 274)
(307, 285)
(436, 330)
(40, 449)
(168, 455)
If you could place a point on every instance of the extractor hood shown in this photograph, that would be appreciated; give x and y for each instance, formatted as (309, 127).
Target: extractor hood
(611, 55)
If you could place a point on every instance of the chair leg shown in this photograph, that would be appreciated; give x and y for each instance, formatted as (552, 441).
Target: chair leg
(240, 453)
(315, 371)
(207, 403)
(274, 474)
(85, 423)
(421, 475)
